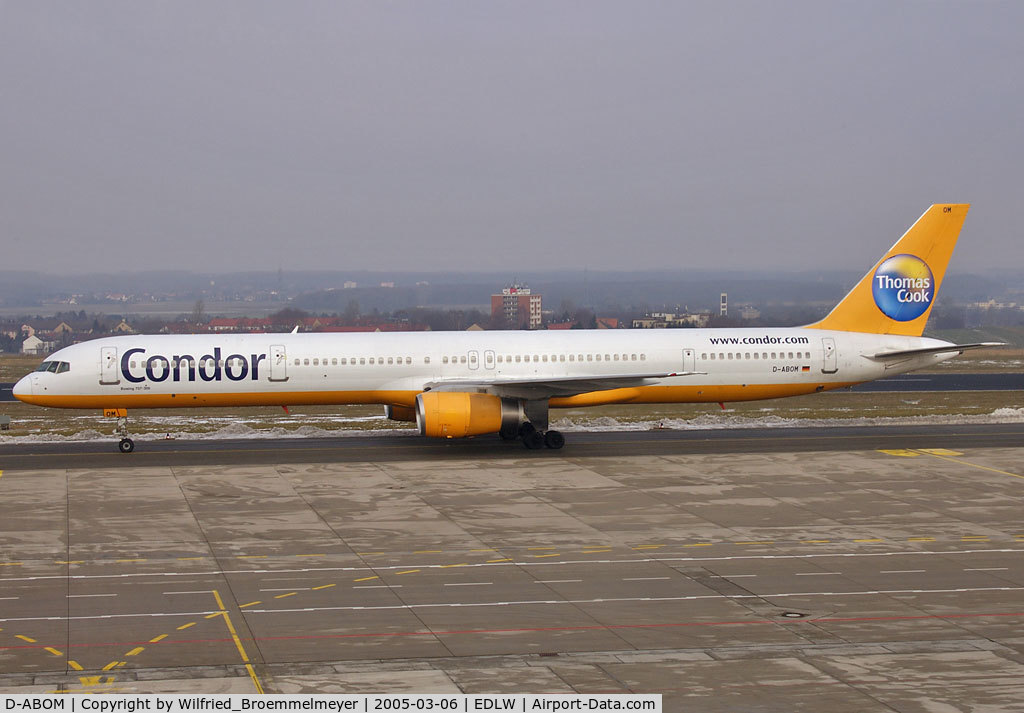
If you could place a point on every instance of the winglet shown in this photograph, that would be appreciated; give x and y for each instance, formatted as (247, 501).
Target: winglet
(897, 294)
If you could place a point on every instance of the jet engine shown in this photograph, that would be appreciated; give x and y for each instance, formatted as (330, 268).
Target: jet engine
(454, 414)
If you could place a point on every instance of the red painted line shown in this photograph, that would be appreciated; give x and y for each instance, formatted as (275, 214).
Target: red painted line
(525, 630)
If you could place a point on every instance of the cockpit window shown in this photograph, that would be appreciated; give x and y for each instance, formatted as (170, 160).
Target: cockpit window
(55, 367)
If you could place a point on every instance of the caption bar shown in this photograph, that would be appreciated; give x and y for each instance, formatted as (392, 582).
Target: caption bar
(366, 703)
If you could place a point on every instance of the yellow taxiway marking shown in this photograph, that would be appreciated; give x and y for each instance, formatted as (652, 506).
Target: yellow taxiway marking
(250, 604)
(325, 586)
(366, 579)
(553, 554)
(407, 571)
(112, 664)
(692, 544)
(184, 559)
(540, 548)
(29, 639)
(902, 452)
(132, 560)
(415, 552)
(941, 456)
(69, 562)
(648, 547)
(446, 566)
(186, 626)
(11, 564)
(75, 665)
(590, 552)
(238, 643)
(815, 542)
(53, 651)
(509, 559)
(252, 557)
(155, 639)
(136, 651)
(282, 596)
(940, 452)
(752, 542)
(213, 616)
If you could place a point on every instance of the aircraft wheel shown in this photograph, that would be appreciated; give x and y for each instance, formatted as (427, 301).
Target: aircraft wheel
(554, 440)
(526, 429)
(533, 440)
(506, 436)
(126, 445)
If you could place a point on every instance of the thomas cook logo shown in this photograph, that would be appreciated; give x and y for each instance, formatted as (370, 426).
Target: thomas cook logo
(903, 287)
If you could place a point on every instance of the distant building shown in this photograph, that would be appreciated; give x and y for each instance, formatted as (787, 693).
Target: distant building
(518, 306)
(723, 310)
(749, 312)
(349, 284)
(666, 320)
(35, 345)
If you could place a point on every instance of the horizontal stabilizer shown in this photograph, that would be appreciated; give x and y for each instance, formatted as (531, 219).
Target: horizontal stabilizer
(958, 348)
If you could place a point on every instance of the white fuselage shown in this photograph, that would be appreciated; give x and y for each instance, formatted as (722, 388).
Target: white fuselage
(161, 371)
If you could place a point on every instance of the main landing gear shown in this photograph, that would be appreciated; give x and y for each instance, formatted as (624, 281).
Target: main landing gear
(535, 440)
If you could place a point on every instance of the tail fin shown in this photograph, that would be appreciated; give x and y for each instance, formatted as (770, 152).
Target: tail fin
(897, 294)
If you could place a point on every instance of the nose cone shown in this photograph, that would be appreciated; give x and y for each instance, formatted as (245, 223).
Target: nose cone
(23, 388)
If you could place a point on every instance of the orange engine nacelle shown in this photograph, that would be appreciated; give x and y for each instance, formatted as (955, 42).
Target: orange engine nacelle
(452, 414)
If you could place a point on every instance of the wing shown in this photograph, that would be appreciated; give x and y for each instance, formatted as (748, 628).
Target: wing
(543, 388)
(959, 348)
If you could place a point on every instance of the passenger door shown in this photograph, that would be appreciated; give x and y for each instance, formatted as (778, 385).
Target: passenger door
(278, 363)
(689, 360)
(109, 368)
(830, 361)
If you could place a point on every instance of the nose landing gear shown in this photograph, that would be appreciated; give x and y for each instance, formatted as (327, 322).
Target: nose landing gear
(126, 444)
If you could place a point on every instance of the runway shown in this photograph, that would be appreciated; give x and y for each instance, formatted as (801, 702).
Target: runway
(840, 569)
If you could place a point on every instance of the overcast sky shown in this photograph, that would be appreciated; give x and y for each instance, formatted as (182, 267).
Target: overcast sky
(218, 136)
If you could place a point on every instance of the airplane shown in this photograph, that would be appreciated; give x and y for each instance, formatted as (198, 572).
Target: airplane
(461, 384)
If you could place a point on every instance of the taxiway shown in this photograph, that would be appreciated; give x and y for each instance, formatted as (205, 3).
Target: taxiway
(849, 570)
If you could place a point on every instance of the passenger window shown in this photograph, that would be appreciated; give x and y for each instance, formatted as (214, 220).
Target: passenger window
(305, 362)
(633, 357)
(316, 362)
(764, 355)
(755, 355)
(444, 360)
(747, 355)
(297, 362)
(499, 358)
(590, 357)
(712, 356)
(362, 360)
(390, 360)
(426, 360)
(643, 357)
(344, 361)
(703, 356)
(517, 358)
(561, 357)
(536, 358)
(730, 355)
(408, 360)
(545, 358)
(572, 357)
(462, 360)
(599, 357)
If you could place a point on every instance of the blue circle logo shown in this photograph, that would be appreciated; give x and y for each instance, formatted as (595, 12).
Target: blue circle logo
(903, 287)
